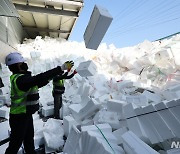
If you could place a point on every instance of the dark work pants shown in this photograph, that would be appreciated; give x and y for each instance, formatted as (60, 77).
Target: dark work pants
(22, 131)
(57, 104)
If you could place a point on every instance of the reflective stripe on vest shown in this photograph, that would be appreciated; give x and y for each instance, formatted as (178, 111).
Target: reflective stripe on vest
(19, 97)
(58, 84)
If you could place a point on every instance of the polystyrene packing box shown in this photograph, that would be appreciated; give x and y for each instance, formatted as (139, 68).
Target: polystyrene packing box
(98, 24)
(87, 68)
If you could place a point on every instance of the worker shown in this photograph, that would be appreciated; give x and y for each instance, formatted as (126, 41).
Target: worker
(59, 89)
(24, 101)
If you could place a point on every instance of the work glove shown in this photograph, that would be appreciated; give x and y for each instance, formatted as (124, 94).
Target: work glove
(67, 65)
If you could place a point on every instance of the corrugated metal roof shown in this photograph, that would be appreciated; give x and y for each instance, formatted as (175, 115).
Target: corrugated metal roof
(54, 18)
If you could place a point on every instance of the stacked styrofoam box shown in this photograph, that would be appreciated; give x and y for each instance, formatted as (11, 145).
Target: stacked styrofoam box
(47, 110)
(35, 55)
(97, 27)
(4, 127)
(152, 96)
(87, 68)
(133, 145)
(4, 112)
(139, 100)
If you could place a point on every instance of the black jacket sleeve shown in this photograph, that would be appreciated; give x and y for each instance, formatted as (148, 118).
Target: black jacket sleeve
(25, 82)
(70, 76)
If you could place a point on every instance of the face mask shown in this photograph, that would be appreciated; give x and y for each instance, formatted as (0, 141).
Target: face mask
(24, 67)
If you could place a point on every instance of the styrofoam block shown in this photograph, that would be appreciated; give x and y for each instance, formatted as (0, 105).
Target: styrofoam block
(139, 111)
(152, 96)
(128, 110)
(72, 141)
(124, 84)
(75, 99)
(149, 108)
(68, 122)
(4, 112)
(173, 103)
(160, 125)
(175, 112)
(87, 68)
(115, 105)
(97, 27)
(139, 100)
(38, 140)
(75, 108)
(173, 151)
(136, 126)
(171, 121)
(47, 110)
(169, 95)
(118, 134)
(5, 98)
(4, 127)
(160, 105)
(136, 144)
(104, 127)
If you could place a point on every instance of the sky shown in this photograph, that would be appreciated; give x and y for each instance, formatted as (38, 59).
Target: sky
(133, 20)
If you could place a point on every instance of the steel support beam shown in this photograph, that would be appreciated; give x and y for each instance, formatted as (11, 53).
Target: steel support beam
(45, 30)
(35, 9)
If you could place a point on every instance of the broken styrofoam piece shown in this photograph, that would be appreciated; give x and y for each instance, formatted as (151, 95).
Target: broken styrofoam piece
(47, 110)
(4, 112)
(115, 105)
(118, 134)
(98, 24)
(152, 96)
(79, 112)
(53, 134)
(136, 145)
(72, 141)
(124, 84)
(68, 122)
(87, 68)
(38, 141)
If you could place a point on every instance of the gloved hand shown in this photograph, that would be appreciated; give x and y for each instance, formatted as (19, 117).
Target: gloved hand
(74, 72)
(67, 65)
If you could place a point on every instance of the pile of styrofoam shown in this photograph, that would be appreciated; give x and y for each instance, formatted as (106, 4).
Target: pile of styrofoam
(135, 88)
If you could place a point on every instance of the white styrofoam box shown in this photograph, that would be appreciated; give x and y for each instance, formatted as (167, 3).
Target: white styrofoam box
(87, 68)
(79, 112)
(173, 103)
(1, 103)
(159, 124)
(98, 24)
(136, 145)
(160, 105)
(139, 111)
(171, 121)
(47, 110)
(104, 127)
(118, 134)
(115, 105)
(5, 98)
(169, 95)
(149, 108)
(128, 110)
(35, 55)
(75, 99)
(124, 84)
(72, 141)
(4, 112)
(87, 122)
(4, 127)
(68, 122)
(137, 127)
(152, 96)
(139, 100)
(175, 111)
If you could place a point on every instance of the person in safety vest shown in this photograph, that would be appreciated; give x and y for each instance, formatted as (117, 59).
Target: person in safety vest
(58, 88)
(24, 101)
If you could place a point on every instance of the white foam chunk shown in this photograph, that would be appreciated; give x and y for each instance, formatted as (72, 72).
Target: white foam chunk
(68, 122)
(136, 145)
(115, 105)
(139, 100)
(47, 110)
(87, 68)
(97, 27)
(118, 134)
(80, 112)
(152, 96)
